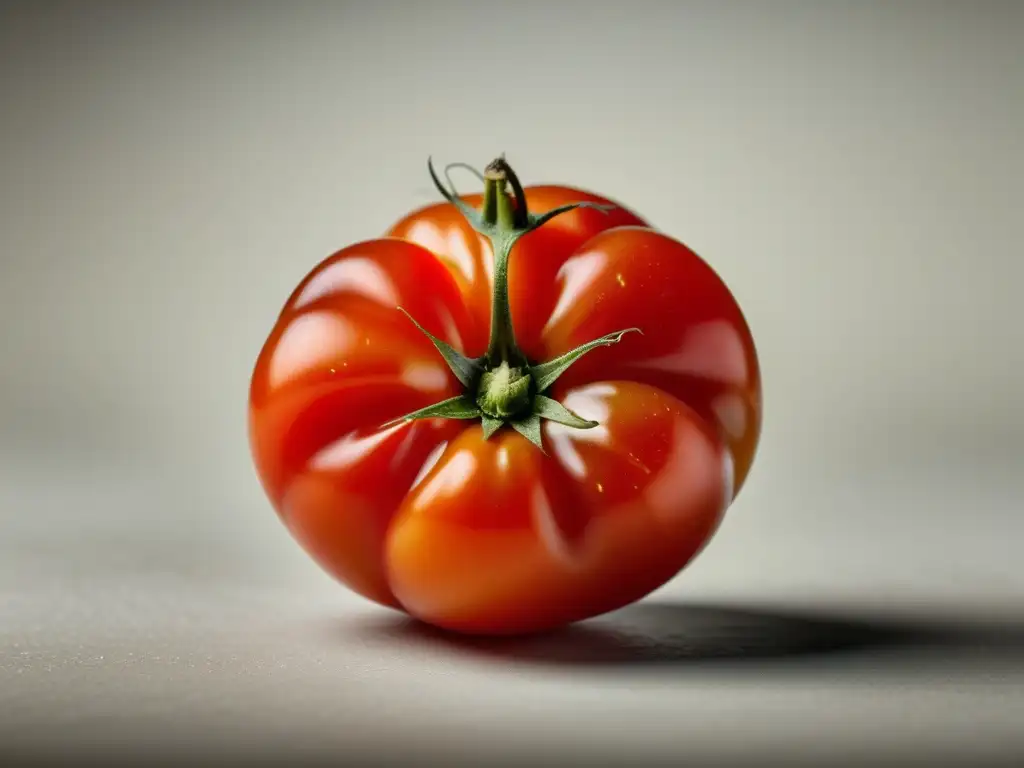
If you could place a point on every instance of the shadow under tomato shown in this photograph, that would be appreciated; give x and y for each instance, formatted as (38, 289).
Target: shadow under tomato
(659, 633)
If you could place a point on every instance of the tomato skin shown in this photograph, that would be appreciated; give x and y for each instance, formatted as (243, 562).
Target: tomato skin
(494, 536)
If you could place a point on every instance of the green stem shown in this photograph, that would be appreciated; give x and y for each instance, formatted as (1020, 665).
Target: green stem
(498, 176)
(506, 220)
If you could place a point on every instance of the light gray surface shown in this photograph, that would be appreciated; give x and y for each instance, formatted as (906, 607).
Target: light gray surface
(853, 170)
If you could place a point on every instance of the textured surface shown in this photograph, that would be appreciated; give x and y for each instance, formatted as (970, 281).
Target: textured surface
(190, 670)
(812, 652)
(852, 170)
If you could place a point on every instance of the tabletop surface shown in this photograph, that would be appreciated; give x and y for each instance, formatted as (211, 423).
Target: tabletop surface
(113, 647)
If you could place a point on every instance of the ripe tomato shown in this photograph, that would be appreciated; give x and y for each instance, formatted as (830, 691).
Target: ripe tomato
(451, 517)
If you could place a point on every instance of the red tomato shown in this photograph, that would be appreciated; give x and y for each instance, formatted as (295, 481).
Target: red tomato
(496, 535)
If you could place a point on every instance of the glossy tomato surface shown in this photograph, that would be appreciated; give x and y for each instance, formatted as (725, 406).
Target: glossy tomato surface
(496, 536)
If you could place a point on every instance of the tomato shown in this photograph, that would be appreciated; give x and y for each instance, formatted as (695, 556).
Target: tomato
(537, 493)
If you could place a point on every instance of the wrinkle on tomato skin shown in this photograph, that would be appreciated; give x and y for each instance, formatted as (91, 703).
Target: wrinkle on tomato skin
(695, 341)
(500, 538)
(339, 509)
(304, 398)
(335, 481)
(466, 532)
(289, 435)
(533, 263)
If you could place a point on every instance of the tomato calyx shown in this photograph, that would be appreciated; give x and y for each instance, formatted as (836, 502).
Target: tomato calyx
(502, 386)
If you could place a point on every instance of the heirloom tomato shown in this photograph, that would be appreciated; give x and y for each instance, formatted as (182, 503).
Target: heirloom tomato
(514, 410)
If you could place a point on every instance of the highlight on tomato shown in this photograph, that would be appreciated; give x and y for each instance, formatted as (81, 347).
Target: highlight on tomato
(514, 410)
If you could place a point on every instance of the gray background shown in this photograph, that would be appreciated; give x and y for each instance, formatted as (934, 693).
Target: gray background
(854, 171)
